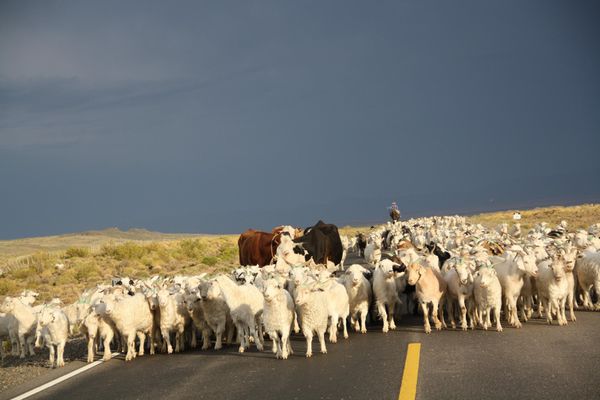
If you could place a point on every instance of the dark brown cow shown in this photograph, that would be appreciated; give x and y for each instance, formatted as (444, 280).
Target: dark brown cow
(258, 248)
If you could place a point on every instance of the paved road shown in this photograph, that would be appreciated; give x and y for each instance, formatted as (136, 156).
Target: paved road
(536, 362)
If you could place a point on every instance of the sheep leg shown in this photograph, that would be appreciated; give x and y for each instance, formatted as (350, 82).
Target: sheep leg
(219, 336)
(179, 340)
(194, 341)
(391, 311)
(90, 349)
(308, 335)
(167, 340)
(434, 315)
(596, 306)
(333, 328)
(355, 323)
(206, 331)
(561, 312)
(548, 311)
(51, 355)
(383, 314)
(258, 340)
(60, 349)
(130, 346)
(425, 309)
(487, 323)
(259, 330)
(14, 343)
(450, 305)
(345, 326)
(571, 304)
(497, 316)
(241, 337)
(513, 312)
(30, 344)
(142, 337)
(22, 345)
(275, 339)
(107, 353)
(529, 304)
(463, 313)
(38, 339)
(363, 321)
(587, 300)
(471, 314)
(296, 326)
(321, 334)
(230, 327)
(285, 343)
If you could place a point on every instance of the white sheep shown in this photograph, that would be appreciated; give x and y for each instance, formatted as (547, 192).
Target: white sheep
(216, 312)
(459, 283)
(588, 276)
(338, 308)
(8, 331)
(373, 251)
(386, 293)
(96, 327)
(53, 328)
(360, 294)
(311, 305)
(173, 318)
(245, 304)
(23, 323)
(194, 307)
(487, 293)
(131, 315)
(512, 271)
(278, 316)
(552, 288)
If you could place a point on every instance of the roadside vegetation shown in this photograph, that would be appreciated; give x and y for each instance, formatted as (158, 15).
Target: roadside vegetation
(578, 217)
(66, 265)
(68, 273)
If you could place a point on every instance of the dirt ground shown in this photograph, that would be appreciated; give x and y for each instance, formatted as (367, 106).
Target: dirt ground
(14, 371)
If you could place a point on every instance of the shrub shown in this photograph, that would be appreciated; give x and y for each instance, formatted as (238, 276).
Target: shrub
(77, 252)
(125, 251)
(192, 248)
(210, 261)
(7, 287)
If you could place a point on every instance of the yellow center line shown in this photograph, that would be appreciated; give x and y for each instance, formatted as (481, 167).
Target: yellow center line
(408, 388)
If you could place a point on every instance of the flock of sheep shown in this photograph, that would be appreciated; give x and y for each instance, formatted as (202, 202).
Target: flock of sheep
(443, 267)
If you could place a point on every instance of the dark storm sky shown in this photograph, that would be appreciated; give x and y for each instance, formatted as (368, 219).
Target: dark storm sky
(218, 116)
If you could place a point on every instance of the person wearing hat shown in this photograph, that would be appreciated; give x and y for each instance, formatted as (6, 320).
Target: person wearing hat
(394, 212)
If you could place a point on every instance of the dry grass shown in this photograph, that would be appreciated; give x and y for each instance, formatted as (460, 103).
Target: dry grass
(581, 216)
(66, 273)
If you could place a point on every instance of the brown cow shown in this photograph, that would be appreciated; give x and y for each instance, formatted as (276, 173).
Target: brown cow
(258, 248)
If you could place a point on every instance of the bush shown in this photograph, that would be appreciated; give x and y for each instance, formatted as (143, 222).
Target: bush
(7, 287)
(83, 272)
(40, 261)
(77, 252)
(192, 248)
(125, 251)
(211, 261)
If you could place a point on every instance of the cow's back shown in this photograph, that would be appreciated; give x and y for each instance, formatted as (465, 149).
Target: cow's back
(255, 248)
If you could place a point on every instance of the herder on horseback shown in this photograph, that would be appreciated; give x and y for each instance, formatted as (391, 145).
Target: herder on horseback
(394, 212)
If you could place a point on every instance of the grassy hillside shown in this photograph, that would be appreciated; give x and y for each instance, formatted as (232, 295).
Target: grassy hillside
(67, 264)
(581, 216)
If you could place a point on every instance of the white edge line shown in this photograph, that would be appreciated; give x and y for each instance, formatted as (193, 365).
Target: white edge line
(60, 379)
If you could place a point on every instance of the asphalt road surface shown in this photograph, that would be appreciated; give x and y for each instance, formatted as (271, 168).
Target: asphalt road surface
(535, 362)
